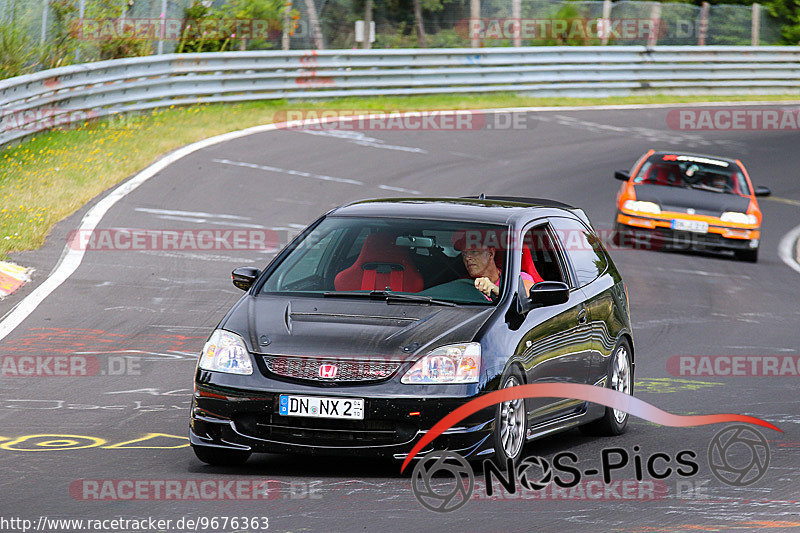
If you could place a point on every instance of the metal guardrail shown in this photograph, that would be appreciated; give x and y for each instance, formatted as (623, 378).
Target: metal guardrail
(40, 101)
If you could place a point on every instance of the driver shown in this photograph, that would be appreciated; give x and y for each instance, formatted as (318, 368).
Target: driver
(480, 265)
(482, 268)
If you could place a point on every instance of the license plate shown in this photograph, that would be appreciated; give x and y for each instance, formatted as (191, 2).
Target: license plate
(316, 407)
(696, 226)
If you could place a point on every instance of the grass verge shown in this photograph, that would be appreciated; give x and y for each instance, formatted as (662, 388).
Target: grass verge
(50, 176)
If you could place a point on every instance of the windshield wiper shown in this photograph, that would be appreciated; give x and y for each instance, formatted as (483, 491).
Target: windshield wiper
(389, 296)
(701, 187)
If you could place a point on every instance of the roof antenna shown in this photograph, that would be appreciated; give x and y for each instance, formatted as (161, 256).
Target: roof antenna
(482, 196)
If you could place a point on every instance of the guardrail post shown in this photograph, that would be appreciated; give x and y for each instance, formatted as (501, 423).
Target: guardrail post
(81, 12)
(161, 27)
(606, 21)
(655, 19)
(703, 27)
(367, 25)
(45, 9)
(755, 25)
(314, 28)
(286, 27)
(420, 23)
(474, 21)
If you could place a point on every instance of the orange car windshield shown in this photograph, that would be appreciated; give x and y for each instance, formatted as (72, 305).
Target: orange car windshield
(693, 172)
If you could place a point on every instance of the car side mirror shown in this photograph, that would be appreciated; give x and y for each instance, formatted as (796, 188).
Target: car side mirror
(547, 293)
(762, 191)
(542, 294)
(622, 175)
(243, 277)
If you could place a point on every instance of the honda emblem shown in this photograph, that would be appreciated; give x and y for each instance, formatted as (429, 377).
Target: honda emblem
(328, 371)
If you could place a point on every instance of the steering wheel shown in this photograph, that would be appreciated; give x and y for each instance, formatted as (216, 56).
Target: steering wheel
(471, 283)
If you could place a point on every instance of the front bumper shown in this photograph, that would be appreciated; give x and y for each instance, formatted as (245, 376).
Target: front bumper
(243, 420)
(651, 233)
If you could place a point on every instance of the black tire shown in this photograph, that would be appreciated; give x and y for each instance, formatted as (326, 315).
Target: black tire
(750, 256)
(511, 422)
(221, 456)
(614, 422)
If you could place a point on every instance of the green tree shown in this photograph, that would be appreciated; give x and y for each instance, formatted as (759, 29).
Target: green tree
(236, 25)
(787, 12)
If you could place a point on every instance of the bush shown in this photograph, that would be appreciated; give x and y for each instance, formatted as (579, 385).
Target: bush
(194, 38)
(19, 54)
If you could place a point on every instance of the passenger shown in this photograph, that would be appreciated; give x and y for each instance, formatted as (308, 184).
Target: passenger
(719, 182)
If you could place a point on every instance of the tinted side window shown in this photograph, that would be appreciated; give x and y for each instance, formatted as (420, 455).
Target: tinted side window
(741, 183)
(544, 255)
(583, 248)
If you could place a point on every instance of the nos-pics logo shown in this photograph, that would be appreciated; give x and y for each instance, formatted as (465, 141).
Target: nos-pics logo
(442, 494)
(444, 481)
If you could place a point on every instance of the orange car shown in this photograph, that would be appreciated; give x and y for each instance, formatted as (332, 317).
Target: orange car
(689, 201)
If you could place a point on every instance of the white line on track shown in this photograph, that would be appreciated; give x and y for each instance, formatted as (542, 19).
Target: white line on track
(704, 273)
(290, 172)
(653, 135)
(782, 200)
(787, 249)
(310, 175)
(398, 189)
(292, 201)
(201, 214)
(213, 222)
(361, 139)
(167, 326)
(199, 257)
(71, 258)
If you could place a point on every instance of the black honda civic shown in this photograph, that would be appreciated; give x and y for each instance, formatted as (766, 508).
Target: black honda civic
(383, 316)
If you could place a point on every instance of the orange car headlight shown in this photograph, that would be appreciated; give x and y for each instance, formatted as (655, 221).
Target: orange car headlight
(642, 207)
(738, 218)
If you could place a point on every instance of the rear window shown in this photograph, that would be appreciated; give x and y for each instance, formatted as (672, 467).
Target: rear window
(583, 248)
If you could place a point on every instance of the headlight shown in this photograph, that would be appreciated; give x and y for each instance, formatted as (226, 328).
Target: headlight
(738, 218)
(225, 352)
(642, 207)
(455, 363)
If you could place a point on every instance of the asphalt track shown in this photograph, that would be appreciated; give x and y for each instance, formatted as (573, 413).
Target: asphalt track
(157, 307)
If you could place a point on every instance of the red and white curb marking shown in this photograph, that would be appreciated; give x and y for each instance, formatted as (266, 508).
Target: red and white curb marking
(12, 277)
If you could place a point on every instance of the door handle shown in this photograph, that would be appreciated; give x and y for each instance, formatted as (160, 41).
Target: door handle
(583, 316)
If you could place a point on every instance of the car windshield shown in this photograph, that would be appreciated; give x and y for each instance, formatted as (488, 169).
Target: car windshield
(382, 258)
(694, 172)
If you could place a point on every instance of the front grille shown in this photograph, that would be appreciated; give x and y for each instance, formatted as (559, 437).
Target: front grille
(321, 432)
(685, 240)
(318, 369)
